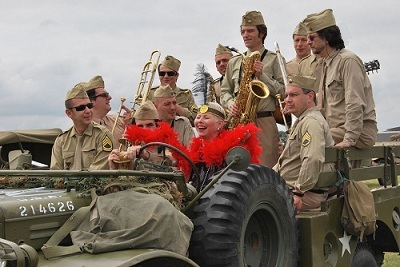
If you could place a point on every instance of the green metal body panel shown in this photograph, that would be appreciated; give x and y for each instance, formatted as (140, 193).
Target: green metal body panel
(31, 216)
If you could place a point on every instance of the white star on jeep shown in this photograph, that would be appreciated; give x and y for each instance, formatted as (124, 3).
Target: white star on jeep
(345, 240)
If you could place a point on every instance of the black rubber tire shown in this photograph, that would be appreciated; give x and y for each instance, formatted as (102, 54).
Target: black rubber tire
(364, 256)
(246, 219)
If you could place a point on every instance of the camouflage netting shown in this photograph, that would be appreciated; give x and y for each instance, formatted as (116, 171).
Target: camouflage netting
(31, 182)
(103, 186)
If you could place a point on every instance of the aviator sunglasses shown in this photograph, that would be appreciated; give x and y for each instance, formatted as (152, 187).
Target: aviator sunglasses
(169, 73)
(83, 107)
(105, 95)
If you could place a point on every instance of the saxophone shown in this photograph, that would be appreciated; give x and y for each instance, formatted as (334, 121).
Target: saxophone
(249, 94)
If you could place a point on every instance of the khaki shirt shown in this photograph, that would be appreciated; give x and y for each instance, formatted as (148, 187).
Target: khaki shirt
(108, 122)
(272, 77)
(97, 144)
(182, 126)
(292, 66)
(303, 157)
(214, 94)
(311, 66)
(348, 101)
(184, 98)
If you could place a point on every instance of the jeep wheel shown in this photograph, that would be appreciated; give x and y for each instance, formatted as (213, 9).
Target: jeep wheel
(364, 256)
(246, 219)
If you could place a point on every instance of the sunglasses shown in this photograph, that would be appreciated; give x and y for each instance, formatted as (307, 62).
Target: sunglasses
(105, 95)
(169, 73)
(311, 37)
(83, 107)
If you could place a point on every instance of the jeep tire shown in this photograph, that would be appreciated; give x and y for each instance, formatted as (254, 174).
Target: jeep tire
(246, 219)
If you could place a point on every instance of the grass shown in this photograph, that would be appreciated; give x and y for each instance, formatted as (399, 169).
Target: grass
(392, 259)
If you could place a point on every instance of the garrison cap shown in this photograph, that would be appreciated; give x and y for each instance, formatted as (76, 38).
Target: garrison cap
(222, 50)
(164, 92)
(305, 82)
(318, 21)
(172, 63)
(146, 111)
(77, 92)
(95, 82)
(252, 18)
(214, 108)
(300, 29)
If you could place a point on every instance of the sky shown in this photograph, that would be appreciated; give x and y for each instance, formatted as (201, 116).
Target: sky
(46, 47)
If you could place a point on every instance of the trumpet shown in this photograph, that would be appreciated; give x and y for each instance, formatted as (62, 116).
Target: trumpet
(121, 106)
(146, 79)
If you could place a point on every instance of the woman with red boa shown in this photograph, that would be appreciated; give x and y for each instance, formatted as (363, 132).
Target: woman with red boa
(209, 149)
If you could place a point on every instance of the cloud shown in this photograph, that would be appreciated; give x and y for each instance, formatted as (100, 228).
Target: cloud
(48, 47)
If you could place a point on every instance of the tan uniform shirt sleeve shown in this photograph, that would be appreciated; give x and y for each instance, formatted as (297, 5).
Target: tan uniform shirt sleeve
(312, 155)
(184, 129)
(98, 150)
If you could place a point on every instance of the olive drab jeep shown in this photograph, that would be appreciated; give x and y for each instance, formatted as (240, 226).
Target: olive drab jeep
(244, 217)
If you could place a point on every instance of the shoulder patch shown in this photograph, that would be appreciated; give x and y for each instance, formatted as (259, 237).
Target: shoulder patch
(107, 144)
(306, 139)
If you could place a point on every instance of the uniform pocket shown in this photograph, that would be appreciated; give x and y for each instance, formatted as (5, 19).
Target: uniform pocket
(68, 159)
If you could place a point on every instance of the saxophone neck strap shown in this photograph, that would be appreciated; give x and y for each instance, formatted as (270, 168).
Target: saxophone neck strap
(240, 70)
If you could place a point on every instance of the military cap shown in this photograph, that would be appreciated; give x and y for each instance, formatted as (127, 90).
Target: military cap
(300, 29)
(318, 21)
(222, 50)
(252, 18)
(95, 82)
(304, 82)
(146, 111)
(77, 92)
(164, 92)
(214, 108)
(172, 63)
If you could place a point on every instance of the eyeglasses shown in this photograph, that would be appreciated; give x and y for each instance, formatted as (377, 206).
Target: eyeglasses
(105, 95)
(83, 107)
(312, 37)
(169, 73)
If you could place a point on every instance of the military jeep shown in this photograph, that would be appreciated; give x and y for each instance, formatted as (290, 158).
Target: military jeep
(245, 217)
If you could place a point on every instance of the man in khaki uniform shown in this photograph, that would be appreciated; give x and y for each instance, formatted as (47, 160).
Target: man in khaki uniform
(165, 102)
(100, 98)
(86, 144)
(300, 46)
(345, 93)
(267, 70)
(168, 72)
(303, 157)
(222, 57)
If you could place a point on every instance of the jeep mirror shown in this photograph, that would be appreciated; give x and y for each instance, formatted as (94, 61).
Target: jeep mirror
(240, 156)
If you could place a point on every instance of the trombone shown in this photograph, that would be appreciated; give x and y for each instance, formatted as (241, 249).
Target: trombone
(146, 79)
(285, 81)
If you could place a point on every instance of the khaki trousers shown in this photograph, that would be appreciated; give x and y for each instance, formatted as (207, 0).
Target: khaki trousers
(269, 139)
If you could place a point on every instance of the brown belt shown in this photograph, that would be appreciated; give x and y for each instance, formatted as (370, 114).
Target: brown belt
(318, 191)
(264, 114)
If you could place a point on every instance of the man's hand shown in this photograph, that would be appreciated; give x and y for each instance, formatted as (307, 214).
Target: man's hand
(258, 68)
(343, 144)
(233, 109)
(297, 202)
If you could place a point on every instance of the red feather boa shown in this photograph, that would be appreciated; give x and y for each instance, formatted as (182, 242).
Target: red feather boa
(210, 152)
(214, 152)
(165, 134)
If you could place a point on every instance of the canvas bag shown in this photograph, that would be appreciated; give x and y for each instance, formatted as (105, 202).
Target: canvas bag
(125, 219)
(358, 213)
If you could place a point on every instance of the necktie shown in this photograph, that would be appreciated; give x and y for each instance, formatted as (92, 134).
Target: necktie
(78, 153)
(321, 90)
